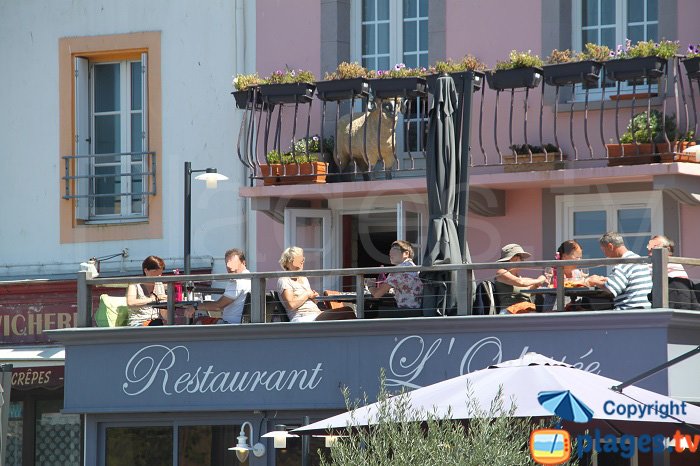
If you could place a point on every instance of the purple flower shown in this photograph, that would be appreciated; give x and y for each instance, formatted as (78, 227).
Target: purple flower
(628, 44)
(399, 66)
(612, 54)
(690, 48)
(380, 73)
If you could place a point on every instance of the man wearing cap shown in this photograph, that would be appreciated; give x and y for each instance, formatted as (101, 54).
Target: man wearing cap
(630, 284)
(509, 284)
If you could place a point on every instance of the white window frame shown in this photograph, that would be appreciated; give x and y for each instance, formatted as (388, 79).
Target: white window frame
(621, 25)
(403, 208)
(567, 205)
(326, 248)
(86, 207)
(396, 55)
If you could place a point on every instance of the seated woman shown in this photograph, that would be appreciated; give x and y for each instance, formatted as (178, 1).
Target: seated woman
(408, 288)
(568, 250)
(509, 284)
(141, 297)
(296, 293)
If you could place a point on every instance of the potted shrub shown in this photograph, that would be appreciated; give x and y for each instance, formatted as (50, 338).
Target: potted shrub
(566, 67)
(645, 59)
(545, 157)
(348, 81)
(301, 164)
(644, 140)
(469, 69)
(522, 69)
(246, 86)
(399, 81)
(692, 62)
(288, 87)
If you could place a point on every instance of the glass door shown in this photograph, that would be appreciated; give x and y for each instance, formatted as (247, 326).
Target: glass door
(310, 229)
(410, 226)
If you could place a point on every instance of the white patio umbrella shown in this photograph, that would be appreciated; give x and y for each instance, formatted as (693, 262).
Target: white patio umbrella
(523, 380)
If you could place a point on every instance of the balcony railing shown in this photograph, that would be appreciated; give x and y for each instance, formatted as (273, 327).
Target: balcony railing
(535, 115)
(259, 280)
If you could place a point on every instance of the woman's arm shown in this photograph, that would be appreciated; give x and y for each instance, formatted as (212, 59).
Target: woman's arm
(379, 291)
(504, 276)
(133, 301)
(293, 303)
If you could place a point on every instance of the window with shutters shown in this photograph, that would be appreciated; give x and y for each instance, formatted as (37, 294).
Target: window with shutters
(109, 164)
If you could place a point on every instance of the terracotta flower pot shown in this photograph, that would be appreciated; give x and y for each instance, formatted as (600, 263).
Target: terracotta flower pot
(294, 173)
(626, 154)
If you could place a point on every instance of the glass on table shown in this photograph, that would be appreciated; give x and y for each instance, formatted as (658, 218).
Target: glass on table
(548, 274)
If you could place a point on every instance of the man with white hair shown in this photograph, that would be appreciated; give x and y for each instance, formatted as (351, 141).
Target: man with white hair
(661, 241)
(630, 284)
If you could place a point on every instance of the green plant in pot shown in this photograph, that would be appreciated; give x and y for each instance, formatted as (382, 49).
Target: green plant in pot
(643, 60)
(529, 157)
(521, 70)
(565, 67)
(469, 67)
(348, 81)
(244, 85)
(302, 163)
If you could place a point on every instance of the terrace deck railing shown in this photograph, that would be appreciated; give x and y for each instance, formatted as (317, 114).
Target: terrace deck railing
(535, 109)
(259, 280)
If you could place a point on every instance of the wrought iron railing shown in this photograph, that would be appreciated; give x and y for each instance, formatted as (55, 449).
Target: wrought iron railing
(270, 120)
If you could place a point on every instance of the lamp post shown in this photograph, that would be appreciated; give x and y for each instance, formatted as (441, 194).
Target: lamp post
(209, 175)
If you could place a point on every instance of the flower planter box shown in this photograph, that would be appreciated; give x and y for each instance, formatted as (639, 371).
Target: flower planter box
(287, 93)
(398, 87)
(342, 89)
(513, 79)
(635, 69)
(294, 173)
(691, 156)
(540, 162)
(661, 153)
(587, 71)
(692, 67)
(460, 77)
(638, 95)
(243, 97)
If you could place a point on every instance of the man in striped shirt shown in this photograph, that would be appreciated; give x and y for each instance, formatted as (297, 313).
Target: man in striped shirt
(630, 284)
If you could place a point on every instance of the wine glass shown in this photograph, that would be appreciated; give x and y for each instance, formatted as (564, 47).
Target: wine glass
(548, 274)
(584, 272)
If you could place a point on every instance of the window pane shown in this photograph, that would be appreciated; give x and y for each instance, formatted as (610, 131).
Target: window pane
(107, 87)
(383, 38)
(591, 250)
(635, 33)
(590, 223)
(13, 454)
(410, 36)
(382, 10)
(635, 11)
(309, 232)
(136, 133)
(589, 12)
(107, 134)
(652, 10)
(368, 10)
(410, 60)
(313, 260)
(423, 8)
(57, 435)
(136, 85)
(139, 446)
(634, 220)
(410, 8)
(607, 12)
(368, 39)
(423, 35)
(137, 181)
(607, 37)
(423, 60)
(106, 182)
(637, 244)
(652, 32)
(383, 63)
(590, 35)
(206, 445)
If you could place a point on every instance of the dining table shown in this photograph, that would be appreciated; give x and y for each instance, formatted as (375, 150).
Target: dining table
(573, 292)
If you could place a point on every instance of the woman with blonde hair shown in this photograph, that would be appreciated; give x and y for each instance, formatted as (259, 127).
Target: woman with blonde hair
(295, 292)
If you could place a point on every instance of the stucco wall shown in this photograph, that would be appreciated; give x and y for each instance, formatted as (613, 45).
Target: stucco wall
(198, 59)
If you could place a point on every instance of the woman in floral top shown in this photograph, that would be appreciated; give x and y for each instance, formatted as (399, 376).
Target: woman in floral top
(408, 288)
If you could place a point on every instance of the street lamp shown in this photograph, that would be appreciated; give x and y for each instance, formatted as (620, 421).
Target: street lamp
(209, 175)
